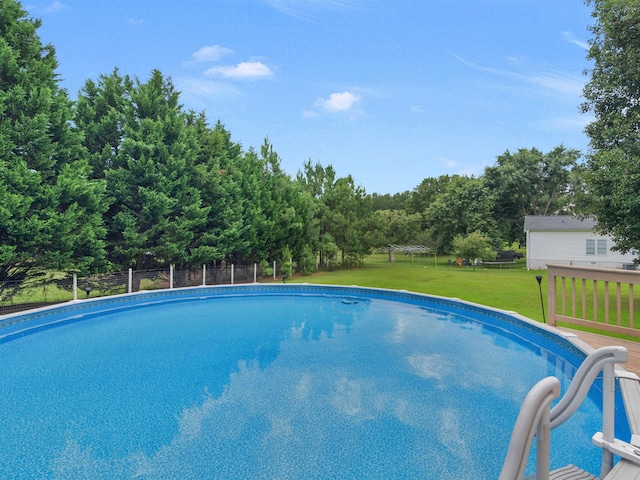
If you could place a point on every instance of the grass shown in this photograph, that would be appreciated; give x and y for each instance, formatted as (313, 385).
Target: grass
(513, 289)
(43, 289)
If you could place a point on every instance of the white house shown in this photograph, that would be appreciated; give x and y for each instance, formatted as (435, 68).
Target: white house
(566, 240)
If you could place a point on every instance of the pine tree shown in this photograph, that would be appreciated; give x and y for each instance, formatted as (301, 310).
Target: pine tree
(50, 212)
(140, 142)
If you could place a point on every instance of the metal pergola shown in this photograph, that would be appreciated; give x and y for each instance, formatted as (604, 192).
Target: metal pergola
(412, 250)
(407, 249)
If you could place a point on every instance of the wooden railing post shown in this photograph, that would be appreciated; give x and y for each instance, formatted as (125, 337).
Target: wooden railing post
(595, 308)
(551, 295)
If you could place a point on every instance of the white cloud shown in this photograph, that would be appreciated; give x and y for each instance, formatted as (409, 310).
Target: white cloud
(303, 8)
(133, 21)
(416, 109)
(338, 102)
(558, 81)
(575, 123)
(211, 53)
(243, 70)
(447, 162)
(550, 80)
(55, 7)
(206, 88)
(571, 39)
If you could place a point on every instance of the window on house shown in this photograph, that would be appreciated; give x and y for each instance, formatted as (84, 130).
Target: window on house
(596, 247)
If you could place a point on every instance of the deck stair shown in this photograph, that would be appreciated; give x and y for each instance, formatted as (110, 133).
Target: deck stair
(570, 472)
(537, 419)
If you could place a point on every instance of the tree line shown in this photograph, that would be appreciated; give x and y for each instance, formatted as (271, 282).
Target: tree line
(124, 176)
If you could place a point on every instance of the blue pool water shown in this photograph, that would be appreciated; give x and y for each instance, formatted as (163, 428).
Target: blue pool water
(276, 382)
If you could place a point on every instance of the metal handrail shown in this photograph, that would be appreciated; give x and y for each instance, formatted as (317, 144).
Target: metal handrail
(601, 360)
(533, 420)
(537, 419)
(582, 381)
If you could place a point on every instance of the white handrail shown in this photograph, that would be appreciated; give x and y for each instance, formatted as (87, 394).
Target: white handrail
(533, 418)
(602, 360)
(583, 379)
(536, 417)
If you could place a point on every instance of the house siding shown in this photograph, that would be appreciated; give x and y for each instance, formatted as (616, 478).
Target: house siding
(568, 247)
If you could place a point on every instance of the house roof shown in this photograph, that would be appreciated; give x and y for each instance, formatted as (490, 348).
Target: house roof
(557, 222)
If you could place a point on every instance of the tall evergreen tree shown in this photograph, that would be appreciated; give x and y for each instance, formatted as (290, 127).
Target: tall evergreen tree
(344, 218)
(100, 112)
(288, 207)
(141, 143)
(275, 210)
(50, 212)
(218, 178)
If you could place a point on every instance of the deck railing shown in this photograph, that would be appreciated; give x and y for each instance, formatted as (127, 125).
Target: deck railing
(598, 298)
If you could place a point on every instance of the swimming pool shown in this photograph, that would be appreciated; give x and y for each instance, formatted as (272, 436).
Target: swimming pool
(276, 381)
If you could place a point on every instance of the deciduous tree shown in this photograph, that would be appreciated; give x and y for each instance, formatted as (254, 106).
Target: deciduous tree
(465, 206)
(472, 246)
(399, 227)
(613, 97)
(530, 182)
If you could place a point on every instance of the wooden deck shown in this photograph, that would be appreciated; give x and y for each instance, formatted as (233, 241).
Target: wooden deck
(597, 341)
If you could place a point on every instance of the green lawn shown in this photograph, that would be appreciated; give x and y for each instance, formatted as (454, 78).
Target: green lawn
(514, 289)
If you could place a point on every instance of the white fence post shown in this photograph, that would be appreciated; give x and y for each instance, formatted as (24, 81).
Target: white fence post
(171, 267)
(204, 275)
(75, 287)
(274, 269)
(255, 273)
(130, 289)
(232, 269)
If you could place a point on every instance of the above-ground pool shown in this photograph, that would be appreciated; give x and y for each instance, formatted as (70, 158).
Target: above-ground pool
(277, 381)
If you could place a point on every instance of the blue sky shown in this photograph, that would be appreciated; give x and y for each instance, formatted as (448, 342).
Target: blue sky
(389, 91)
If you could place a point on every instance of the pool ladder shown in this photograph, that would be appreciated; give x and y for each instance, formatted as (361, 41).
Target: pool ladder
(537, 418)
